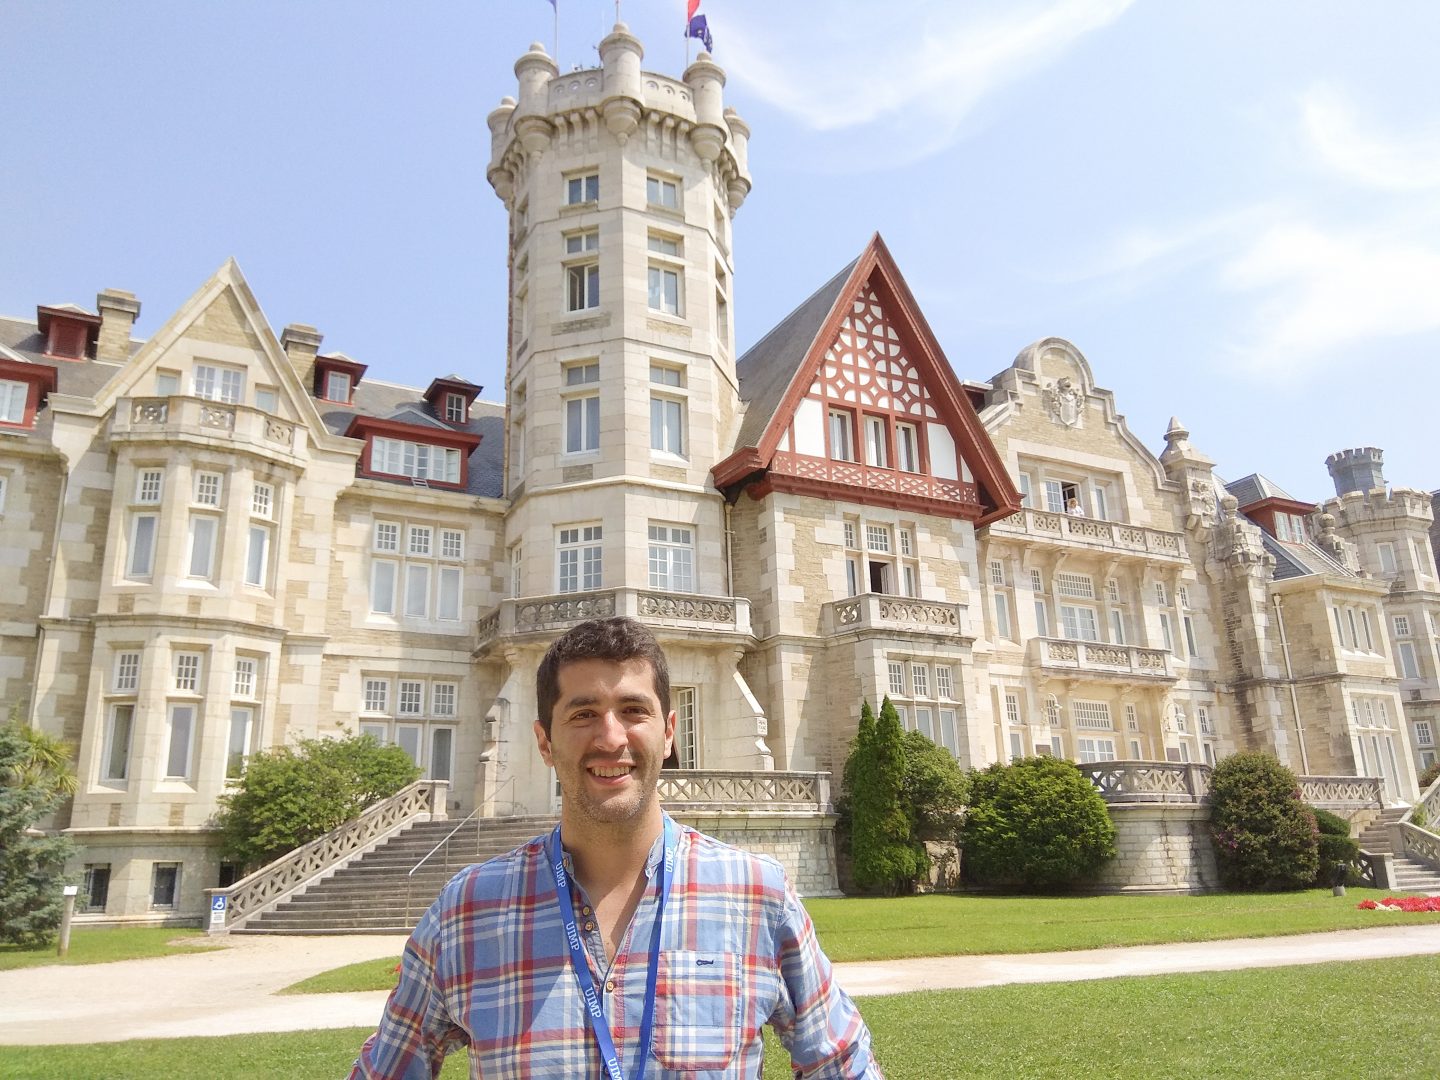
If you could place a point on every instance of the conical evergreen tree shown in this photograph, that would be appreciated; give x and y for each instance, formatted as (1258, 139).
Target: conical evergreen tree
(884, 854)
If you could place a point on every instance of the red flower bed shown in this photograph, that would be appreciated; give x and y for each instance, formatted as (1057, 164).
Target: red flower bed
(1403, 903)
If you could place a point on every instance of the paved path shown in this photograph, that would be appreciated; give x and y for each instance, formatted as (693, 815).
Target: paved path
(232, 991)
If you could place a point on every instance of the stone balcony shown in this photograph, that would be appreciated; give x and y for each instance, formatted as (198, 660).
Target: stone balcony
(878, 611)
(171, 419)
(1108, 537)
(658, 610)
(1098, 659)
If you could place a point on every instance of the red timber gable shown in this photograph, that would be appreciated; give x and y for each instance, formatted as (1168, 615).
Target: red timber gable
(874, 414)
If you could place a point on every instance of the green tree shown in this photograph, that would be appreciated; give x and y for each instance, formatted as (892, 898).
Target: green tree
(1429, 776)
(1037, 823)
(291, 795)
(884, 854)
(1263, 833)
(32, 865)
(934, 789)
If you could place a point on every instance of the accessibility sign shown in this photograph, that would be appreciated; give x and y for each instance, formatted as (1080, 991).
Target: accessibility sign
(217, 910)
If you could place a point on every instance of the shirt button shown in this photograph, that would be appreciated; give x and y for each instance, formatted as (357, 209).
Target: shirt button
(589, 925)
(609, 986)
(585, 910)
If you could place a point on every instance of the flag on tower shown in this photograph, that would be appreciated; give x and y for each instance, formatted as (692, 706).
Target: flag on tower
(700, 28)
(691, 6)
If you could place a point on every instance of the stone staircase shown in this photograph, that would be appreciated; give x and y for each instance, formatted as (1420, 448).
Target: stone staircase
(1410, 876)
(376, 894)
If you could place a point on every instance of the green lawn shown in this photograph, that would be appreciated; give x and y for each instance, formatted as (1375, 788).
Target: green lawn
(862, 929)
(946, 925)
(1328, 1020)
(102, 945)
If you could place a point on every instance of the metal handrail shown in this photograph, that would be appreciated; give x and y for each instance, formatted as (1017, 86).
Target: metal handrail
(410, 875)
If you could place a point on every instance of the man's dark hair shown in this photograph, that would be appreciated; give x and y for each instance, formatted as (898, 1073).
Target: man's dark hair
(617, 639)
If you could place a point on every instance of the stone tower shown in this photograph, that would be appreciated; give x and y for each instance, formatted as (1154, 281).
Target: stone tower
(620, 186)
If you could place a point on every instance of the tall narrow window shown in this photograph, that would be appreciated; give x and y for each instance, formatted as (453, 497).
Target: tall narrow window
(442, 742)
(582, 409)
(182, 731)
(686, 733)
(417, 590)
(907, 448)
(165, 885)
(237, 750)
(672, 558)
(582, 286)
(1386, 552)
(447, 594)
(383, 574)
(117, 742)
(141, 561)
(664, 289)
(13, 399)
(842, 435)
(876, 442)
(257, 557)
(579, 558)
(203, 530)
(667, 425)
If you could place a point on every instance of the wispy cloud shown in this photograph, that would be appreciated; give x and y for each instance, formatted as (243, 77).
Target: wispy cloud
(1357, 149)
(1321, 296)
(849, 73)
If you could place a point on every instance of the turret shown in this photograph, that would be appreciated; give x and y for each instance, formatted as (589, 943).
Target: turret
(534, 70)
(1361, 469)
(706, 82)
(620, 55)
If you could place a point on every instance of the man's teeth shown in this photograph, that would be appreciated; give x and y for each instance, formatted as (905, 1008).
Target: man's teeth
(611, 770)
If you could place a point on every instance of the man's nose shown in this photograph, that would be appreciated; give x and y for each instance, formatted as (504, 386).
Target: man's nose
(610, 735)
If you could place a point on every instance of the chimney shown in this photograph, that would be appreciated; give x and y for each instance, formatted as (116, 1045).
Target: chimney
(118, 312)
(1361, 469)
(301, 343)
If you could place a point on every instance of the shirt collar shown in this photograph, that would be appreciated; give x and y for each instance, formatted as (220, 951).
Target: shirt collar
(652, 860)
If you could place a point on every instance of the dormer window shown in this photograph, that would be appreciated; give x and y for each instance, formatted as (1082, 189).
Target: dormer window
(69, 331)
(336, 378)
(23, 387)
(451, 397)
(455, 408)
(337, 386)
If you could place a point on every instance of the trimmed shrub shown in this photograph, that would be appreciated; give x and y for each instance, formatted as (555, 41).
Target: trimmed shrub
(1330, 824)
(1037, 823)
(1264, 835)
(934, 789)
(884, 854)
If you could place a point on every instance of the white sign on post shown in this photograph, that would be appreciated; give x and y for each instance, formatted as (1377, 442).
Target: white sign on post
(217, 911)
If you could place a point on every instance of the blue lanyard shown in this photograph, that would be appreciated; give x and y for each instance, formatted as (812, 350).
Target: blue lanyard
(581, 966)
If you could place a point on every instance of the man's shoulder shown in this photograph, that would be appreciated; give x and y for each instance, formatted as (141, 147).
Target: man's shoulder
(714, 856)
(499, 877)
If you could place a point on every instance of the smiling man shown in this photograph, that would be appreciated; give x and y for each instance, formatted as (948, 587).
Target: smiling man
(623, 944)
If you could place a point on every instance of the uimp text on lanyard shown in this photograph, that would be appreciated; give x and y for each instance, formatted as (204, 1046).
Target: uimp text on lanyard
(614, 1068)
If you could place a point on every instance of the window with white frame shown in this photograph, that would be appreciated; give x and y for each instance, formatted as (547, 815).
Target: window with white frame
(1189, 625)
(921, 704)
(517, 566)
(1167, 634)
(1385, 551)
(877, 442)
(262, 500)
(216, 383)
(119, 730)
(1424, 734)
(663, 288)
(1132, 719)
(1424, 558)
(1075, 586)
(337, 386)
(455, 408)
(420, 719)
(179, 753)
(667, 409)
(579, 558)
(1409, 665)
(687, 748)
(14, 396)
(842, 435)
(1202, 719)
(419, 461)
(672, 557)
(907, 447)
(1090, 749)
(240, 740)
(582, 285)
(427, 582)
(246, 668)
(126, 678)
(204, 531)
(1078, 623)
(149, 486)
(944, 684)
(1012, 707)
(140, 558)
(187, 672)
(582, 188)
(1092, 715)
(582, 406)
(257, 554)
(582, 242)
(662, 191)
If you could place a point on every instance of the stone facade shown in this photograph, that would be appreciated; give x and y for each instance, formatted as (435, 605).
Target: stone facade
(217, 541)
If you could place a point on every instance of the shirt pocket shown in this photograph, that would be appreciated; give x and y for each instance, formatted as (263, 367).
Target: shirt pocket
(697, 1011)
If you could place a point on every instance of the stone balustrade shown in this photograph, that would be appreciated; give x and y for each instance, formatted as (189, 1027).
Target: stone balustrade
(878, 611)
(714, 790)
(1101, 658)
(689, 611)
(1109, 536)
(1149, 781)
(291, 872)
(1422, 843)
(166, 418)
(1343, 792)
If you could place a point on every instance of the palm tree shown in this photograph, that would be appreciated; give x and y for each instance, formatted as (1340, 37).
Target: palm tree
(47, 760)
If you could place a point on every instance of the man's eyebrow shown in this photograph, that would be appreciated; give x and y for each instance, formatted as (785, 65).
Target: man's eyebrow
(580, 701)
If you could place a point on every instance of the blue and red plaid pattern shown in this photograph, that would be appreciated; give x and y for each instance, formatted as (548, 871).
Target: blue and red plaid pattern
(487, 968)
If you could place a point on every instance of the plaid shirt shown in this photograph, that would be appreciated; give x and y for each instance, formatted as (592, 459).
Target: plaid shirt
(487, 967)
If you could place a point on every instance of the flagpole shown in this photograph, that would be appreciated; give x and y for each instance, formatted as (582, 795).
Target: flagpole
(555, 6)
(687, 41)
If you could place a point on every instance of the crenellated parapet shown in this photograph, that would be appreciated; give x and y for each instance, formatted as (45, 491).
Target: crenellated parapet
(1395, 507)
(625, 102)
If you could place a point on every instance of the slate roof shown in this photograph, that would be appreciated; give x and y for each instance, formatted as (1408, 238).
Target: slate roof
(768, 366)
(373, 397)
(1251, 489)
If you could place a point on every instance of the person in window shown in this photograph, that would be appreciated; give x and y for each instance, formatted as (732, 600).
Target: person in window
(623, 943)
(1072, 507)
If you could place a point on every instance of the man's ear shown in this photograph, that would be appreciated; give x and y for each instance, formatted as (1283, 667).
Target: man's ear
(669, 733)
(543, 741)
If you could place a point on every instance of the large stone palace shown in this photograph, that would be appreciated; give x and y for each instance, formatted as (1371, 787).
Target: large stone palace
(218, 539)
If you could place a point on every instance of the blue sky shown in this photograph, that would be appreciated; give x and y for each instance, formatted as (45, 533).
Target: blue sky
(1233, 209)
